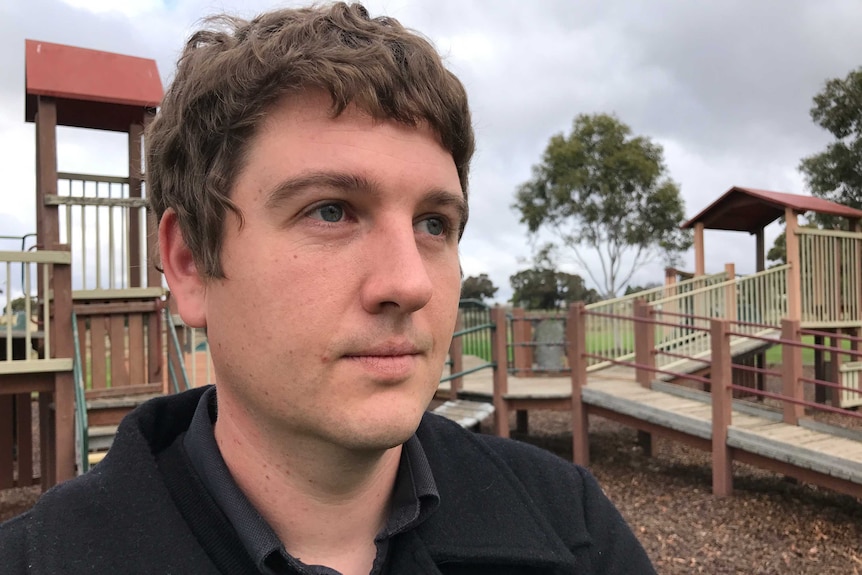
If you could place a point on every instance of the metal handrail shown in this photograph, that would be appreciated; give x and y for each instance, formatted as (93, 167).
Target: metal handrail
(81, 419)
(176, 346)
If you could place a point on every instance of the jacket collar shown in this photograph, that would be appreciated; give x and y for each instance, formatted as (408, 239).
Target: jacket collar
(485, 514)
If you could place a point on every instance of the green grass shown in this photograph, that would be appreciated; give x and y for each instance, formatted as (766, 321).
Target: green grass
(773, 354)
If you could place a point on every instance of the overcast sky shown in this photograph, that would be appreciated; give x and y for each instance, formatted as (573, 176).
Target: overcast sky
(724, 86)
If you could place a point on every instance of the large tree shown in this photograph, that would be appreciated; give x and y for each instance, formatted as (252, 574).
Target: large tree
(478, 287)
(836, 173)
(600, 188)
(546, 288)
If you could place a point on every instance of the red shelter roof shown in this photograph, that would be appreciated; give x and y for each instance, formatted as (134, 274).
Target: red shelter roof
(750, 210)
(92, 89)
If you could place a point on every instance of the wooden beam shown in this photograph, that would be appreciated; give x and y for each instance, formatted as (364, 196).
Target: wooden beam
(761, 250)
(791, 371)
(456, 356)
(64, 391)
(47, 220)
(730, 293)
(576, 334)
(721, 378)
(135, 191)
(7, 432)
(644, 333)
(699, 257)
(499, 355)
(794, 274)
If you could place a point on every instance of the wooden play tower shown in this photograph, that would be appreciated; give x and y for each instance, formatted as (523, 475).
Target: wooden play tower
(92, 300)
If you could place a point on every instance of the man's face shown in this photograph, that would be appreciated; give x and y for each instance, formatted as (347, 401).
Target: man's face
(342, 282)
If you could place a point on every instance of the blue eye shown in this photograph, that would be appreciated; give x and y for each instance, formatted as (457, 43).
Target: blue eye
(330, 213)
(435, 226)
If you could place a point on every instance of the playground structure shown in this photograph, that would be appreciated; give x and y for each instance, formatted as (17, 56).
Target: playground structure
(689, 360)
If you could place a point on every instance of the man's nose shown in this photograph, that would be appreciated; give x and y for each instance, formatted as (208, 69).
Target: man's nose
(397, 274)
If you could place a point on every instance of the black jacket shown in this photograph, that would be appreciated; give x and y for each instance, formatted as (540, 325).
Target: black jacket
(505, 508)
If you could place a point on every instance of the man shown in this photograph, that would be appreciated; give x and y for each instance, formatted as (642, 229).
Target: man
(309, 173)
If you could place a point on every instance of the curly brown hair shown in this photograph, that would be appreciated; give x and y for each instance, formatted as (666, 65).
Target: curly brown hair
(232, 71)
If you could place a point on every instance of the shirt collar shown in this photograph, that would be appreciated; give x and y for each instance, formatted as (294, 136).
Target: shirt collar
(415, 495)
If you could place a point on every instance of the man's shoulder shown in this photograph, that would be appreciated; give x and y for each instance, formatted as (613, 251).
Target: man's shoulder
(538, 478)
(525, 460)
(78, 520)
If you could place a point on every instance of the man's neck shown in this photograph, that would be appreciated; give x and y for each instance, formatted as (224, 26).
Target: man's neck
(325, 504)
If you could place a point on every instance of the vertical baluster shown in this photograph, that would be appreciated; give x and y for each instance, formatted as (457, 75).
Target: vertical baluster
(27, 311)
(83, 246)
(111, 254)
(9, 311)
(98, 242)
(46, 309)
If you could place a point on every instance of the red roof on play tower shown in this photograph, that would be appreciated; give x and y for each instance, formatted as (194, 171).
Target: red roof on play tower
(93, 89)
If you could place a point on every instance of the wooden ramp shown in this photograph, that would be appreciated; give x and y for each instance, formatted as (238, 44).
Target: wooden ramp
(826, 455)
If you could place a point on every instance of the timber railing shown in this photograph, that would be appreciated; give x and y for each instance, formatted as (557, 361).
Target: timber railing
(105, 227)
(27, 335)
(830, 277)
(789, 397)
(609, 329)
(759, 301)
(36, 357)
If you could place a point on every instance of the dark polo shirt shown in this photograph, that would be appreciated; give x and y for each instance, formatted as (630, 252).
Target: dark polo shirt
(415, 497)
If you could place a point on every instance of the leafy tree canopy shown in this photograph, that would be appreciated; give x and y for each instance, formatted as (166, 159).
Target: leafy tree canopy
(836, 173)
(543, 287)
(478, 287)
(600, 188)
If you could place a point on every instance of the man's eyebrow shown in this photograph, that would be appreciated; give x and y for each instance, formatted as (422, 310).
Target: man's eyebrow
(445, 198)
(330, 180)
(351, 183)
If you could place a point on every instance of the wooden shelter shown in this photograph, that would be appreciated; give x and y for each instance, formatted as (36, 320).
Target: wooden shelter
(816, 257)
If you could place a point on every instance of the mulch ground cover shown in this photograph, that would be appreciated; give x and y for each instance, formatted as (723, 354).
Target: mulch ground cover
(769, 526)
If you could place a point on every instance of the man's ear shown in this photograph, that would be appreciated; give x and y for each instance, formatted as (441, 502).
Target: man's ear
(187, 286)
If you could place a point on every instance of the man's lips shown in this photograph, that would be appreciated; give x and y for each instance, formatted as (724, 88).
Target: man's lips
(387, 350)
(394, 360)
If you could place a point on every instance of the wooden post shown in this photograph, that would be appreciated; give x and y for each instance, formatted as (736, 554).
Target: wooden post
(834, 375)
(64, 386)
(722, 404)
(644, 344)
(47, 217)
(576, 334)
(791, 360)
(730, 293)
(155, 353)
(7, 432)
(24, 422)
(761, 251)
(820, 368)
(522, 334)
(794, 274)
(501, 383)
(699, 257)
(135, 188)
(456, 356)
